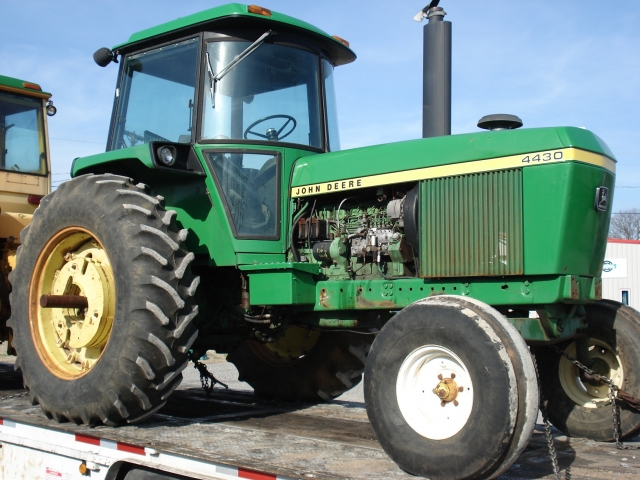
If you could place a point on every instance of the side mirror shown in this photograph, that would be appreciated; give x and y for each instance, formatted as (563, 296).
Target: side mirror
(104, 57)
(51, 110)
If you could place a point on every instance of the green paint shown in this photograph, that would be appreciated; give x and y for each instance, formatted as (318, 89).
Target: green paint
(528, 237)
(87, 164)
(285, 283)
(530, 328)
(472, 225)
(437, 151)
(231, 15)
(396, 294)
(197, 200)
(337, 323)
(563, 232)
(312, 268)
(534, 331)
(15, 83)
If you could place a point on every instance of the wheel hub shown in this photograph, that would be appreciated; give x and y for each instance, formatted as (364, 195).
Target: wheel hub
(71, 340)
(600, 367)
(447, 390)
(421, 404)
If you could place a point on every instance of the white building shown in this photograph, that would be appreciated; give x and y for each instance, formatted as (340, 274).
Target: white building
(621, 272)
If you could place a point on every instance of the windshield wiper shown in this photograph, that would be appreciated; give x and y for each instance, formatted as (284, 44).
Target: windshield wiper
(216, 77)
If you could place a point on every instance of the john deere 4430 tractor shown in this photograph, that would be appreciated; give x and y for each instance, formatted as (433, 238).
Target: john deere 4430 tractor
(224, 216)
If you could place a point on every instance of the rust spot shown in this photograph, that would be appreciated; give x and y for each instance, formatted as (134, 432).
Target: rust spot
(324, 298)
(363, 303)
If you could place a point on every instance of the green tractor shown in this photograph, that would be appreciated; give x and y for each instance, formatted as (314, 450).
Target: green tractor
(224, 216)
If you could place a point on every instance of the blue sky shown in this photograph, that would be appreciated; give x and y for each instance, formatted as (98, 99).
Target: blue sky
(568, 62)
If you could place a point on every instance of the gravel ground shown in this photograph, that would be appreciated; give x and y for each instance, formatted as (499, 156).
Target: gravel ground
(4, 358)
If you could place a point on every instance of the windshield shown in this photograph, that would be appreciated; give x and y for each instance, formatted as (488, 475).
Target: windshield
(22, 146)
(271, 95)
(157, 96)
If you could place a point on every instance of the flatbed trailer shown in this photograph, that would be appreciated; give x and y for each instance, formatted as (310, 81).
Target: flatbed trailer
(231, 434)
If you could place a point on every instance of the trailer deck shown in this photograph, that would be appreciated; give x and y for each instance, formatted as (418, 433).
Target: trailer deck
(231, 429)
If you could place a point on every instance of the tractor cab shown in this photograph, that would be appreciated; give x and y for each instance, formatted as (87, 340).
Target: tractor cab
(234, 75)
(237, 94)
(22, 127)
(24, 173)
(24, 157)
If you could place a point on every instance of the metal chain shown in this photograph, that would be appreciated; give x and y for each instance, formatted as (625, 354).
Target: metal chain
(547, 427)
(14, 396)
(207, 380)
(550, 445)
(614, 391)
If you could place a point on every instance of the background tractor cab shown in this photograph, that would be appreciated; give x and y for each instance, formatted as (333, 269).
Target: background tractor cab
(25, 168)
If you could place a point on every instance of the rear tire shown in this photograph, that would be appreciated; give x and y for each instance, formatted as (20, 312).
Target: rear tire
(104, 238)
(333, 364)
(583, 409)
(451, 390)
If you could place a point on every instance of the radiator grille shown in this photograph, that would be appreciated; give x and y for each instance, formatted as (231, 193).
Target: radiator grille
(471, 225)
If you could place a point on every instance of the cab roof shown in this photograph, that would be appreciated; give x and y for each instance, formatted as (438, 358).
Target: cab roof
(237, 16)
(16, 85)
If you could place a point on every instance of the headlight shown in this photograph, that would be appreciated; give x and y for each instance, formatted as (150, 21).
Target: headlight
(167, 155)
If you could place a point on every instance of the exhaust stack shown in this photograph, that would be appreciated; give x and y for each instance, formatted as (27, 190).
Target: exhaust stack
(436, 83)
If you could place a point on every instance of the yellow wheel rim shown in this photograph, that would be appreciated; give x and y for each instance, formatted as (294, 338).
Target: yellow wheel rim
(289, 349)
(70, 341)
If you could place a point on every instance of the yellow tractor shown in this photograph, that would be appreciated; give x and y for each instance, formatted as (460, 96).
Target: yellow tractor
(25, 175)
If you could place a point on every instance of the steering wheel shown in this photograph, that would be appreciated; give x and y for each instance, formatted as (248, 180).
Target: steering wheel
(272, 134)
(132, 137)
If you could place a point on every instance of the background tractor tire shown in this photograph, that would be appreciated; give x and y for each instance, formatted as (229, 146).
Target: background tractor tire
(583, 409)
(333, 364)
(451, 389)
(106, 239)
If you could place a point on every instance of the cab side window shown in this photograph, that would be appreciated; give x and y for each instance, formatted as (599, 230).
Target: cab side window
(249, 186)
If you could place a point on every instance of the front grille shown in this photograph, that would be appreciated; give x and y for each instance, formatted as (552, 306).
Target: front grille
(471, 225)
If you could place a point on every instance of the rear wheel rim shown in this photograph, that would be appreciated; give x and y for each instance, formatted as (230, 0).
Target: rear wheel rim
(71, 341)
(606, 362)
(434, 392)
(291, 348)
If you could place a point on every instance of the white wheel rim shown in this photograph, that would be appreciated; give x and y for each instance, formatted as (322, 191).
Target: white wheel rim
(585, 394)
(423, 409)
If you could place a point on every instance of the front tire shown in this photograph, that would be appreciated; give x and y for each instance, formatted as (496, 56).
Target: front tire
(583, 409)
(451, 390)
(103, 238)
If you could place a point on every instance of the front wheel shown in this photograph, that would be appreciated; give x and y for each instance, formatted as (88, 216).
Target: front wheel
(451, 390)
(102, 311)
(582, 408)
